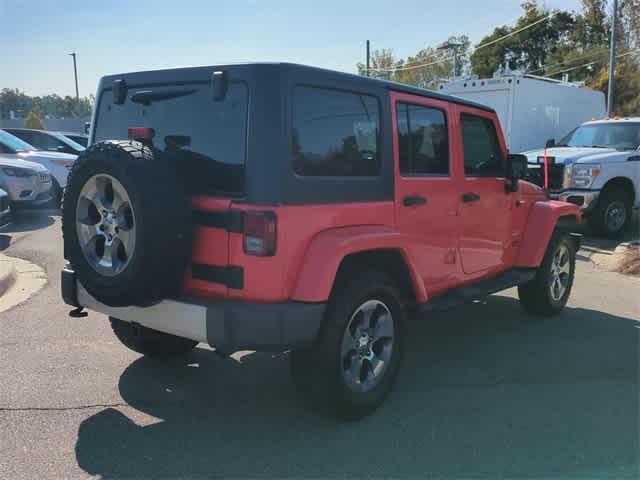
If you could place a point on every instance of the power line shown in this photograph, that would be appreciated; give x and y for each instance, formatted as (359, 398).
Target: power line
(406, 66)
(593, 63)
(492, 42)
(510, 34)
(594, 53)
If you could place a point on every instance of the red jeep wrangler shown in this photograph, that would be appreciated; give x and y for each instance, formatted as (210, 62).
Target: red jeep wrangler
(281, 207)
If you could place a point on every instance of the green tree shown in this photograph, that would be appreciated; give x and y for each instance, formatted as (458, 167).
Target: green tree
(431, 65)
(382, 64)
(13, 100)
(536, 36)
(592, 25)
(34, 121)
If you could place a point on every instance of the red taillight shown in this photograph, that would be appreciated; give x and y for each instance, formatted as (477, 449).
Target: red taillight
(260, 233)
(141, 133)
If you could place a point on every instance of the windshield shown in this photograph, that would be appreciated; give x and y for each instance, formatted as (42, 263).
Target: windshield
(14, 143)
(621, 136)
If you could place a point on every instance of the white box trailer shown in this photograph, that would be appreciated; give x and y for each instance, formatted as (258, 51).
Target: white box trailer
(531, 110)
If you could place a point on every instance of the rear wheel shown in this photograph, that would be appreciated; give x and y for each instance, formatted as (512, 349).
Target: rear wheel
(549, 291)
(353, 364)
(150, 342)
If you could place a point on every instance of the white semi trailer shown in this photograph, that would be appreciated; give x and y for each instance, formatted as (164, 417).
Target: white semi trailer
(531, 110)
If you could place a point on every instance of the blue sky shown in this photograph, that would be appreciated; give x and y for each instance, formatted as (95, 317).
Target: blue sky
(112, 36)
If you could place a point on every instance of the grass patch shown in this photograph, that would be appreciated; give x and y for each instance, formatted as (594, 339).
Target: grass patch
(630, 262)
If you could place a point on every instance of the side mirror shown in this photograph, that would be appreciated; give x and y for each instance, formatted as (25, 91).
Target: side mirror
(551, 143)
(516, 170)
(517, 166)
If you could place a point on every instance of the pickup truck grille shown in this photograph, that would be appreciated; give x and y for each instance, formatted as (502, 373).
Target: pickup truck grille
(44, 177)
(535, 174)
(4, 203)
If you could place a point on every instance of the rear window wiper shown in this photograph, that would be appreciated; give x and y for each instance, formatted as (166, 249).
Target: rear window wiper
(146, 97)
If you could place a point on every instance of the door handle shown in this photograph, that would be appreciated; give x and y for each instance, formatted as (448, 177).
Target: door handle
(470, 197)
(413, 201)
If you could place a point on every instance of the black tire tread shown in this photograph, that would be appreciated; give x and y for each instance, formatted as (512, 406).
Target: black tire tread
(161, 264)
(534, 295)
(596, 218)
(323, 390)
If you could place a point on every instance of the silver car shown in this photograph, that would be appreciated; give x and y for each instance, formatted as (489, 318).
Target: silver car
(27, 183)
(5, 209)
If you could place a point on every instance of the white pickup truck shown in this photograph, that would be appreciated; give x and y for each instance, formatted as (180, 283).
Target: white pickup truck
(597, 167)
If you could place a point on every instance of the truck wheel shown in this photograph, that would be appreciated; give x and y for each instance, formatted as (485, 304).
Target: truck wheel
(150, 342)
(56, 191)
(126, 223)
(612, 213)
(548, 292)
(355, 360)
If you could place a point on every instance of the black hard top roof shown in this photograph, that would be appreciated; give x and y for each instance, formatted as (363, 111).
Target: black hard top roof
(395, 86)
(399, 87)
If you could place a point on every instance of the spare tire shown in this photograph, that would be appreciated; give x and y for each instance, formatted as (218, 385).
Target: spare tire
(127, 223)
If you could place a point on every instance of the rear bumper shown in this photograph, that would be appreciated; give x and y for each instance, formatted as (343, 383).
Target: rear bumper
(227, 326)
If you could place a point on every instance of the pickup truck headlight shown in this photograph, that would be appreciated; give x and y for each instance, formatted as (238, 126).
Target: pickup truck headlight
(18, 172)
(582, 176)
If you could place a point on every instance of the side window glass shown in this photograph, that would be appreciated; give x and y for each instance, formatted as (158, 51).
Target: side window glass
(482, 154)
(27, 137)
(335, 133)
(423, 140)
(51, 143)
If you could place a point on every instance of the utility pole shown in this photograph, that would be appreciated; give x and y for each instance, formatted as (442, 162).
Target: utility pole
(452, 46)
(612, 59)
(368, 73)
(75, 73)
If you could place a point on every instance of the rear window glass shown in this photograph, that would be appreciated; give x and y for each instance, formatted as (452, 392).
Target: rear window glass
(208, 138)
(335, 133)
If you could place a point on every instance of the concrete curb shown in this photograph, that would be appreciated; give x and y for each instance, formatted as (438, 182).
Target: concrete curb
(7, 274)
(21, 280)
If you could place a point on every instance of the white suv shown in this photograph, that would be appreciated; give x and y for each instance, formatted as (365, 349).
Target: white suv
(57, 164)
(597, 167)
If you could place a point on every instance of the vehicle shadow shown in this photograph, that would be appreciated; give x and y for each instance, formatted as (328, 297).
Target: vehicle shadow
(30, 220)
(594, 243)
(5, 241)
(485, 392)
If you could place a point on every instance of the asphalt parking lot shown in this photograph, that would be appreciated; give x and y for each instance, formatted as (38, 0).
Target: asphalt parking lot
(485, 392)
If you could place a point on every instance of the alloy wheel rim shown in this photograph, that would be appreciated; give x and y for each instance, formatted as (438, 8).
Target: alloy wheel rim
(615, 216)
(560, 273)
(105, 224)
(367, 345)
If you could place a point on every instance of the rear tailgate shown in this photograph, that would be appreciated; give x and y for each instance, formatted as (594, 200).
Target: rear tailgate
(207, 135)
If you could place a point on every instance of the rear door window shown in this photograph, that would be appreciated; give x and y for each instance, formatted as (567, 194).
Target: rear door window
(208, 138)
(423, 140)
(335, 133)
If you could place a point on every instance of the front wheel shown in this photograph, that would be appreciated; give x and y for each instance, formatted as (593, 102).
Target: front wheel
(549, 291)
(612, 213)
(353, 364)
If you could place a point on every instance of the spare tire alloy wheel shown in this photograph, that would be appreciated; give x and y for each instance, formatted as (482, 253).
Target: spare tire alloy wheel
(367, 346)
(105, 225)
